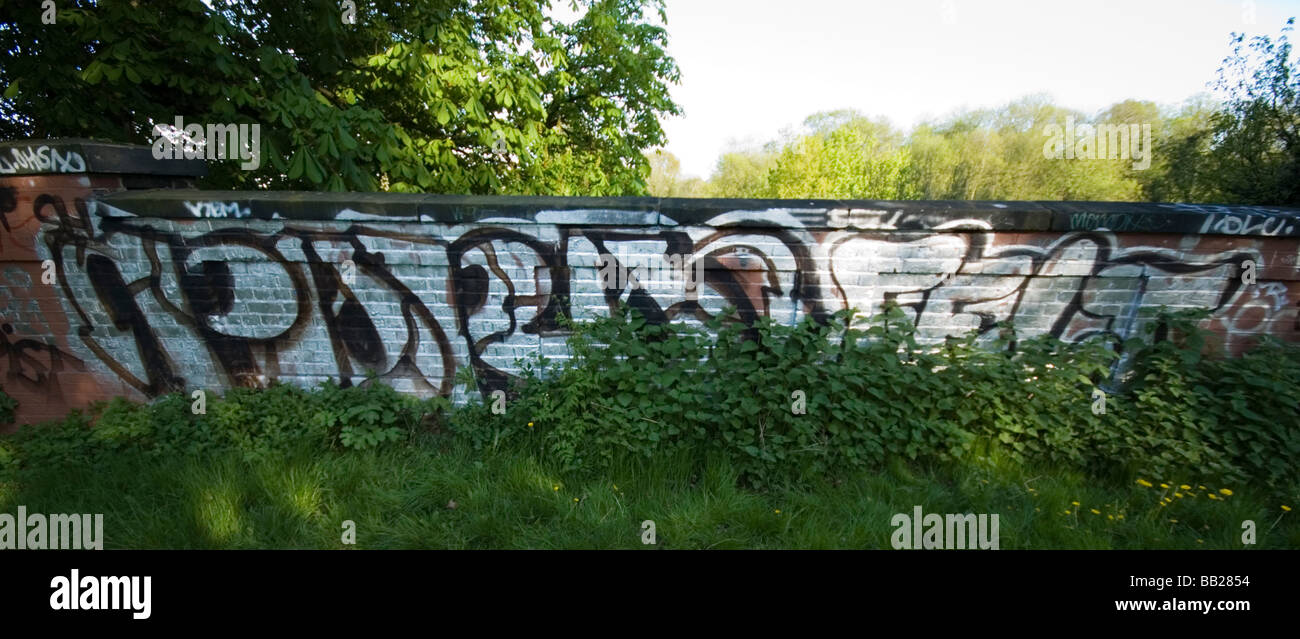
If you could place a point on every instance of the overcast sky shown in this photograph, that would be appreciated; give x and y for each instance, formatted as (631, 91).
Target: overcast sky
(752, 67)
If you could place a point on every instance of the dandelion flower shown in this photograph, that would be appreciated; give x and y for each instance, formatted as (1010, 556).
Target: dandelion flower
(1211, 496)
(1286, 508)
(1226, 492)
(1095, 511)
(575, 500)
(555, 487)
(1075, 503)
(1164, 485)
(1143, 482)
(1110, 517)
(1173, 521)
(1200, 486)
(1200, 541)
(1119, 516)
(530, 424)
(777, 511)
(1178, 495)
(1185, 487)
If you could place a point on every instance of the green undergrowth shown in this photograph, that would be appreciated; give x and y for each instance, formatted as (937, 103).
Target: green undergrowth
(786, 403)
(770, 436)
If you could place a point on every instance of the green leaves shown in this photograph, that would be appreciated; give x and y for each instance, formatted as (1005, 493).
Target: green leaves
(641, 389)
(360, 438)
(417, 91)
(1253, 143)
(255, 423)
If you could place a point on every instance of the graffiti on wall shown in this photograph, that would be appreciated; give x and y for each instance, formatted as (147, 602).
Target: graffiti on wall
(33, 363)
(222, 298)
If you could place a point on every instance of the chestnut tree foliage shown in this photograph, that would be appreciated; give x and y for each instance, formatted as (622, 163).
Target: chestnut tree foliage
(445, 96)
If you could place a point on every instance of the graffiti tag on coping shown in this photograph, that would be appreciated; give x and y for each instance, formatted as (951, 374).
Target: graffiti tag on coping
(1239, 220)
(42, 159)
(218, 209)
(862, 218)
(1119, 222)
(1238, 225)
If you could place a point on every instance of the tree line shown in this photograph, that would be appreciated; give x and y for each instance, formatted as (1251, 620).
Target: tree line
(1240, 145)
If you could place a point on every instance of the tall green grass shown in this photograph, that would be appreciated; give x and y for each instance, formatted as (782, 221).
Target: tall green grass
(437, 492)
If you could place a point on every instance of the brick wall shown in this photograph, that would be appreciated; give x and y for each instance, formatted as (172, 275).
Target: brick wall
(177, 289)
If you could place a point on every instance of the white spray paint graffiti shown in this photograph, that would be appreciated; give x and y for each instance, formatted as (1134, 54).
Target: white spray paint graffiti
(42, 159)
(217, 209)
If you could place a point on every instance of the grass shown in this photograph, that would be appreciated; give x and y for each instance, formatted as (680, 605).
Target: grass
(436, 492)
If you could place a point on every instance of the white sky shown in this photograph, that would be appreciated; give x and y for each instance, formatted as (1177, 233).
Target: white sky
(753, 67)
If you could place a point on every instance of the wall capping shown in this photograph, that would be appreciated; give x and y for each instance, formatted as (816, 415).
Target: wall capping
(899, 215)
(84, 156)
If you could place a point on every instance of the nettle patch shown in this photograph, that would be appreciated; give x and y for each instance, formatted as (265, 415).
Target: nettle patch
(785, 403)
(254, 423)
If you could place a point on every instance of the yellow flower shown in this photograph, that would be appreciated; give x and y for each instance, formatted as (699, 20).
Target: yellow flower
(615, 486)
(1164, 485)
(1075, 503)
(575, 500)
(1225, 491)
(1200, 541)
(1067, 512)
(1178, 495)
(1143, 482)
(556, 487)
(1095, 511)
(1185, 487)
(1286, 508)
(777, 511)
(1111, 517)
(1173, 521)
(1200, 486)
(1211, 496)
(530, 424)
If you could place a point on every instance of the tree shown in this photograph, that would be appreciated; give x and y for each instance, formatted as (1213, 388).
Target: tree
(842, 155)
(1178, 172)
(997, 154)
(666, 177)
(1256, 137)
(742, 172)
(452, 96)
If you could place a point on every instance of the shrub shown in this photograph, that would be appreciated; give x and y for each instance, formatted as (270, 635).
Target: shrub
(633, 389)
(255, 423)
